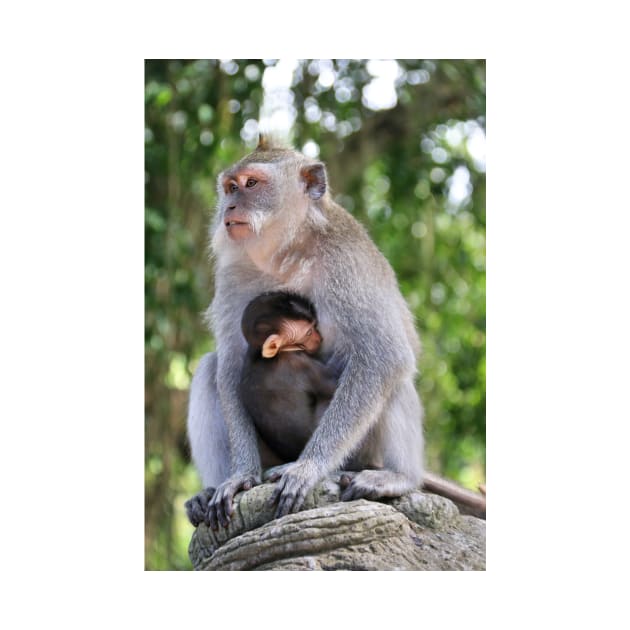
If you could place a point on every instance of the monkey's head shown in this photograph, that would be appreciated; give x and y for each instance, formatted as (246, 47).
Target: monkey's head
(268, 195)
(280, 322)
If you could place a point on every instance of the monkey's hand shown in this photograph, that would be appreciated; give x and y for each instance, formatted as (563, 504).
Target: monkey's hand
(197, 507)
(275, 472)
(220, 508)
(296, 480)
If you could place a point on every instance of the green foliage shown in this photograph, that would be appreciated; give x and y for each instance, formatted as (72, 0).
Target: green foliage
(402, 156)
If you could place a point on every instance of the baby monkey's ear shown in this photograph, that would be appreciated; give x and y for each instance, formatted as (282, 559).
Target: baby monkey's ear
(272, 346)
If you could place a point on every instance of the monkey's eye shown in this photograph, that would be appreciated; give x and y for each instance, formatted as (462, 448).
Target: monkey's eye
(232, 187)
(251, 182)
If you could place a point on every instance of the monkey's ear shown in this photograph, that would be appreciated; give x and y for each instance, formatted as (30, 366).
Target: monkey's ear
(272, 346)
(314, 176)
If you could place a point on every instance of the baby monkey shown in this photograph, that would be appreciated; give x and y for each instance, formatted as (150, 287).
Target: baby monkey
(284, 386)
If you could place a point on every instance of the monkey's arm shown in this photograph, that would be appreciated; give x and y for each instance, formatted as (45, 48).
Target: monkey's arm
(323, 385)
(376, 361)
(245, 466)
(244, 457)
(314, 376)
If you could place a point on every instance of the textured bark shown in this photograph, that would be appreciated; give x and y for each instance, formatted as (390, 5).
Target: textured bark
(415, 532)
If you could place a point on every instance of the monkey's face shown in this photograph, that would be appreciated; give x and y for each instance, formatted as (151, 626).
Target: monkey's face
(268, 195)
(293, 335)
(248, 195)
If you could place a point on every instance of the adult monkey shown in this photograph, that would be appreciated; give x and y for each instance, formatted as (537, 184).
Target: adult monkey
(277, 228)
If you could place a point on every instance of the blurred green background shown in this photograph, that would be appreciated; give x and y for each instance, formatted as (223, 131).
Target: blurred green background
(404, 143)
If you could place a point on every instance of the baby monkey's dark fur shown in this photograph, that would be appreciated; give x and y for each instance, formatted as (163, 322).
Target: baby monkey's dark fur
(286, 394)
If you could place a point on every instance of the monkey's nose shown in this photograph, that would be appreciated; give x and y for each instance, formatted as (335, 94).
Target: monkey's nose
(232, 207)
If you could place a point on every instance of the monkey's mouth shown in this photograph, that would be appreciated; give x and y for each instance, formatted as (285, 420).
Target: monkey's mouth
(238, 230)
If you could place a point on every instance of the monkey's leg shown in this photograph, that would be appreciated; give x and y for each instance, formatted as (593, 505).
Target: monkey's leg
(207, 434)
(399, 442)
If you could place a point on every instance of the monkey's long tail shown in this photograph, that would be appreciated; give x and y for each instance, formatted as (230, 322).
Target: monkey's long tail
(467, 501)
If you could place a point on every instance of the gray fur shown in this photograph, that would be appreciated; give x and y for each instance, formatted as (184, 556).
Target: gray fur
(315, 248)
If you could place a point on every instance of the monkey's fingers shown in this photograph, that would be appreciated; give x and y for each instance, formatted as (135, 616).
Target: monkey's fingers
(291, 498)
(196, 514)
(283, 498)
(274, 496)
(212, 517)
(197, 506)
(275, 472)
(345, 480)
(356, 491)
(350, 494)
(285, 505)
(221, 507)
(225, 509)
(216, 514)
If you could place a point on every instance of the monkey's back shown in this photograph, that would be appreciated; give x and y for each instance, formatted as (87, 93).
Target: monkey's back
(285, 398)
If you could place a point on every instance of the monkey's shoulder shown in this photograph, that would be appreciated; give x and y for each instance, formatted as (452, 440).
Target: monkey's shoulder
(336, 258)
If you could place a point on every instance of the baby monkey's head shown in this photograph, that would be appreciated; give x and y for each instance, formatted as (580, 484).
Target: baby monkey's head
(280, 322)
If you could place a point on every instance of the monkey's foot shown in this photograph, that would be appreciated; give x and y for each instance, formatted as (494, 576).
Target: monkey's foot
(373, 484)
(197, 507)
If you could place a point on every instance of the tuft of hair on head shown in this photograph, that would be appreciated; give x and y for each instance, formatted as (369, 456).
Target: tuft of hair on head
(264, 142)
(270, 141)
